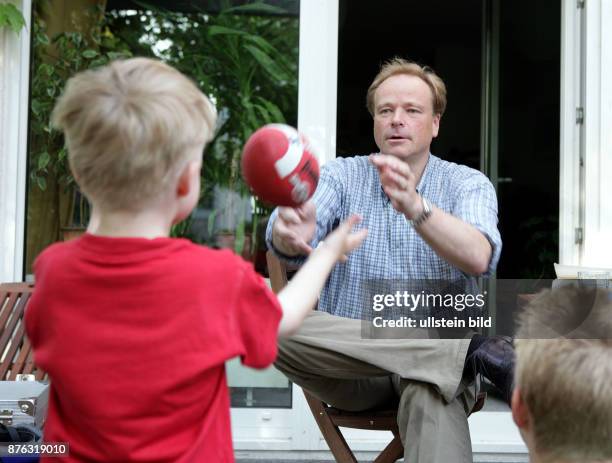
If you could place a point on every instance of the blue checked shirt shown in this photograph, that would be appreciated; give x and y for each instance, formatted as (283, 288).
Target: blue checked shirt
(393, 249)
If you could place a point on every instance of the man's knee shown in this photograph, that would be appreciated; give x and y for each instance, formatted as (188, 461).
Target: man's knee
(288, 352)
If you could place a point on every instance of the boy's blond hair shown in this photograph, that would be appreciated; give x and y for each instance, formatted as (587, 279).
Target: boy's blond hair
(563, 372)
(130, 128)
(397, 66)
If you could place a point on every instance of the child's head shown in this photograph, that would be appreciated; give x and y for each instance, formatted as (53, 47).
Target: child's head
(131, 127)
(563, 399)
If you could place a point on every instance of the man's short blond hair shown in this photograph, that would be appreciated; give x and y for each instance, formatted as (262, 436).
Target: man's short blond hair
(564, 370)
(397, 66)
(130, 127)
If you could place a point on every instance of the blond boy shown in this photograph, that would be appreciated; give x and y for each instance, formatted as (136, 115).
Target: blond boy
(562, 402)
(132, 326)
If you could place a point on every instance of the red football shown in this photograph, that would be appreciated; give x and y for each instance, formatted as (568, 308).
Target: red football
(279, 165)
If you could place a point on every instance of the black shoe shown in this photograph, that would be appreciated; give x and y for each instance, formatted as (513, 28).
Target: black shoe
(495, 360)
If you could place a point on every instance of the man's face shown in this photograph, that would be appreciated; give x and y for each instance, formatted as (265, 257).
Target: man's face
(404, 123)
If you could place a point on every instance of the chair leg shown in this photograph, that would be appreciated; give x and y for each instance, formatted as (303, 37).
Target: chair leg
(392, 452)
(332, 435)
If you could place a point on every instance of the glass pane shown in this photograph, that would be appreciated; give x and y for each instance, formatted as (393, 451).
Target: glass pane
(242, 54)
(529, 115)
(528, 107)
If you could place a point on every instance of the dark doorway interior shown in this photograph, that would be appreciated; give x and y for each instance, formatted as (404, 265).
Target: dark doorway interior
(446, 35)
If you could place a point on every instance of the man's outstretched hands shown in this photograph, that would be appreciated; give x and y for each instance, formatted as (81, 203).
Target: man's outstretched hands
(399, 183)
(294, 229)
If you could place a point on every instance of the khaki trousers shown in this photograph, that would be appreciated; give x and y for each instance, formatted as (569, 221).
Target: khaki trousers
(329, 358)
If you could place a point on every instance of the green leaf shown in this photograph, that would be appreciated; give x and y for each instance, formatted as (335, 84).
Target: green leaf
(265, 115)
(98, 62)
(112, 55)
(261, 43)
(89, 54)
(43, 160)
(10, 16)
(256, 8)
(276, 115)
(239, 243)
(267, 63)
(43, 39)
(42, 183)
(211, 221)
(36, 107)
(46, 69)
(222, 30)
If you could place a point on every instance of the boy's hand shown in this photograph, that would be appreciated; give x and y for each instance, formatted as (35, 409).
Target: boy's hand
(294, 229)
(342, 241)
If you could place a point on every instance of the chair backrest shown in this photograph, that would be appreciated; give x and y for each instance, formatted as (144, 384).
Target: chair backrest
(277, 272)
(16, 354)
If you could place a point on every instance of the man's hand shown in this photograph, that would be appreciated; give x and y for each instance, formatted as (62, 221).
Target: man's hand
(399, 183)
(294, 228)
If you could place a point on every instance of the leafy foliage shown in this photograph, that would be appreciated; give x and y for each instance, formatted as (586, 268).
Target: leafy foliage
(11, 17)
(56, 60)
(244, 58)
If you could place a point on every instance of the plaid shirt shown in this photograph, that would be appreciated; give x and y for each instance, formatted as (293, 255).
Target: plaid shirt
(393, 249)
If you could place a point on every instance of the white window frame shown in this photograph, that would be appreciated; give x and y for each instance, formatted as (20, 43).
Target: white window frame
(570, 219)
(14, 95)
(597, 143)
(295, 429)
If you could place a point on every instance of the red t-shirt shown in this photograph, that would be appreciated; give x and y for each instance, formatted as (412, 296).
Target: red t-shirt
(134, 334)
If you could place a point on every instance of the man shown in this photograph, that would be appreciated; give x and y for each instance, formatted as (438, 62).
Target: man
(426, 219)
(562, 403)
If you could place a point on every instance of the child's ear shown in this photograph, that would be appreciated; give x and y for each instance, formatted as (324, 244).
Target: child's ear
(520, 412)
(186, 181)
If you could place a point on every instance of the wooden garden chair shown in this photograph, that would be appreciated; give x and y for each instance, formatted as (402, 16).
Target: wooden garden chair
(16, 354)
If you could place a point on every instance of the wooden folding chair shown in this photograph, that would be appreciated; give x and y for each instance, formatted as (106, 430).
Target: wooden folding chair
(329, 419)
(16, 354)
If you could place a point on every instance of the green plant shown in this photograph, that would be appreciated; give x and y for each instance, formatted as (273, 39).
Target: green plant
(56, 60)
(11, 17)
(245, 59)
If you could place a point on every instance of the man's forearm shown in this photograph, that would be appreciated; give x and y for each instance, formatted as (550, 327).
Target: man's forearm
(457, 242)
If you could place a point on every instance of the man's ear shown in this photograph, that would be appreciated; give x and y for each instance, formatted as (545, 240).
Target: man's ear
(435, 125)
(520, 412)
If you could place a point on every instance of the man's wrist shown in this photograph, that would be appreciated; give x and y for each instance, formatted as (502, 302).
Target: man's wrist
(416, 210)
(278, 246)
(426, 210)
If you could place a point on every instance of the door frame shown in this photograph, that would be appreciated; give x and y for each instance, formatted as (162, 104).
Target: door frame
(14, 102)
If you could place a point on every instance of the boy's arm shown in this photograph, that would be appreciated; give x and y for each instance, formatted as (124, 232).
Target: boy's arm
(301, 293)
